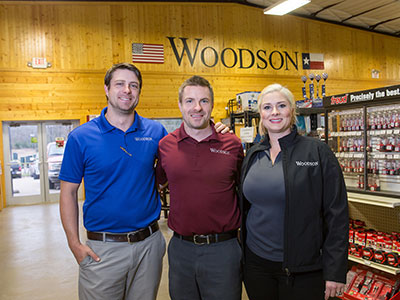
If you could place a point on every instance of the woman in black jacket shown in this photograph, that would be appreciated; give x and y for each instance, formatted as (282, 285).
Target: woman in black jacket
(295, 213)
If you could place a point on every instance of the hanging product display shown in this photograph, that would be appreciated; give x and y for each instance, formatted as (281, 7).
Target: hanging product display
(364, 133)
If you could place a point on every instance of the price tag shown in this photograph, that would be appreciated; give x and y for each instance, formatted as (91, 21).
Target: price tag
(389, 131)
(396, 131)
(246, 134)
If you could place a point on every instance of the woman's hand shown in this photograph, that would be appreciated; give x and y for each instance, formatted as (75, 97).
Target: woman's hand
(333, 289)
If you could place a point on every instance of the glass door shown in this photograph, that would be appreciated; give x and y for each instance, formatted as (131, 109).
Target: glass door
(383, 148)
(347, 141)
(33, 153)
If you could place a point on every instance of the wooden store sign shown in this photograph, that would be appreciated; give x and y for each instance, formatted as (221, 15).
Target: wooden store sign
(385, 93)
(241, 58)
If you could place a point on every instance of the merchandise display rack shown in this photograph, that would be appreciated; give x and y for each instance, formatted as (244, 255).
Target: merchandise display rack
(374, 265)
(390, 202)
(358, 127)
(363, 130)
(244, 117)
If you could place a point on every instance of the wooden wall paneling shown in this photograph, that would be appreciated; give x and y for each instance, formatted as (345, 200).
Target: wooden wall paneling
(5, 37)
(391, 61)
(117, 34)
(83, 39)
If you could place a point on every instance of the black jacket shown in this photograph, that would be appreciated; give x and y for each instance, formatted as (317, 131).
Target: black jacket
(316, 213)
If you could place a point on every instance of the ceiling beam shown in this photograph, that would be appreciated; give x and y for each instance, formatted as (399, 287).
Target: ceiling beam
(364, 12)
(314, 14)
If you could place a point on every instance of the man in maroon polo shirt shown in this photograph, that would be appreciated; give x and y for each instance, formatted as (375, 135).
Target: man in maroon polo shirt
(202, 169)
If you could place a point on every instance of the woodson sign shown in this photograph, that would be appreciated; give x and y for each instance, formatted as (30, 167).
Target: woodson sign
(241, 58)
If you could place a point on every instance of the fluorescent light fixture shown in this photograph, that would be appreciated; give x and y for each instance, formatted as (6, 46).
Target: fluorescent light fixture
(284, 7)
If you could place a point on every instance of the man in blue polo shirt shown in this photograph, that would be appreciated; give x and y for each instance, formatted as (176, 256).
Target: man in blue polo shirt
(115, 154)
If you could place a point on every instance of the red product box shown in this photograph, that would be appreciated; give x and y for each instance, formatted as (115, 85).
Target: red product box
(368, 253)
(355, 250)
(396, 234)
(357, 284)
(384, 241)
(351, 235)
(379, 257)
(375, 290)
(365, 283)
(371, 239)
(392, 259)
(360, 237)
(388, 244)
(396, 246)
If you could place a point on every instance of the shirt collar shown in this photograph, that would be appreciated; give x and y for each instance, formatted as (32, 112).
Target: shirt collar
(181, 134)
(105, 126)
(285, 141)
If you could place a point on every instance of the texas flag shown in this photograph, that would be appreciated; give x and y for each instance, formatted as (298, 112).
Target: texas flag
(313, 61)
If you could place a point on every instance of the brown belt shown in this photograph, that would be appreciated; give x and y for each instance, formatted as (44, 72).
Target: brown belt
(201, 239)
(130, 237)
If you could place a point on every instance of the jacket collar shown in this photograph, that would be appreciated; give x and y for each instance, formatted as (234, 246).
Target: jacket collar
(285, 141)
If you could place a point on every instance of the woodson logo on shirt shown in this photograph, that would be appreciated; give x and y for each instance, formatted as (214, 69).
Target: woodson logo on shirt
(306, 163)
(213, 150)
(143, 139)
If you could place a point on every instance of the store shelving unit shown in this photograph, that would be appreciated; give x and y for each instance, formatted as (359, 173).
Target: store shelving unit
(387, 269)
(246, 118)
(382, 201)
(363, 131)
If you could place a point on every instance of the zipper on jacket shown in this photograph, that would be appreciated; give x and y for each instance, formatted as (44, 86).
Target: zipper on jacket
(287, 275)
(286, 217)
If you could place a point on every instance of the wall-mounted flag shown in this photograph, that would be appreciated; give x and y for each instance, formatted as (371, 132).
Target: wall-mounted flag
(313, 61)
(147, 53)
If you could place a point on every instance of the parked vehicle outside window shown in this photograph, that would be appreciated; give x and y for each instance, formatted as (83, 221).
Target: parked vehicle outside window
(15, 168)
(55, 154)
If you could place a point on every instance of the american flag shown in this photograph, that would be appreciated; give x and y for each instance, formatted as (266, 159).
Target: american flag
(147, 53)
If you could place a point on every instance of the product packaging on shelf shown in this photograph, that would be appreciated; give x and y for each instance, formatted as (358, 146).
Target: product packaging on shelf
(376, 246)
(364, 283)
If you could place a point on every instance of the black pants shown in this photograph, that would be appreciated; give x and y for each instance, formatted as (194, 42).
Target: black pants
(265, 280)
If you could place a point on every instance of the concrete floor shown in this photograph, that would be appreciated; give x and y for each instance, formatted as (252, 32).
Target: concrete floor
(35, 261)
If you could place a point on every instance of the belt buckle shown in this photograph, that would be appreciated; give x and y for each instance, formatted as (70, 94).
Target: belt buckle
(128, 236)
(201, 236)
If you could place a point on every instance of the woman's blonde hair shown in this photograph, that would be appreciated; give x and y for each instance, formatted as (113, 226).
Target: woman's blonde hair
(276, 87)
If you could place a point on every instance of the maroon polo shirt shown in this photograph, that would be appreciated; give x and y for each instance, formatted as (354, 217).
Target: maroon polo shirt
(202, 178)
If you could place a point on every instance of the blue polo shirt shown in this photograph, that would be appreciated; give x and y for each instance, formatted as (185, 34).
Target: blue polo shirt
(118, 172)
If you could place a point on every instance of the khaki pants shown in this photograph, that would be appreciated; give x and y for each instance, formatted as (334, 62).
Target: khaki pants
(125, 271)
